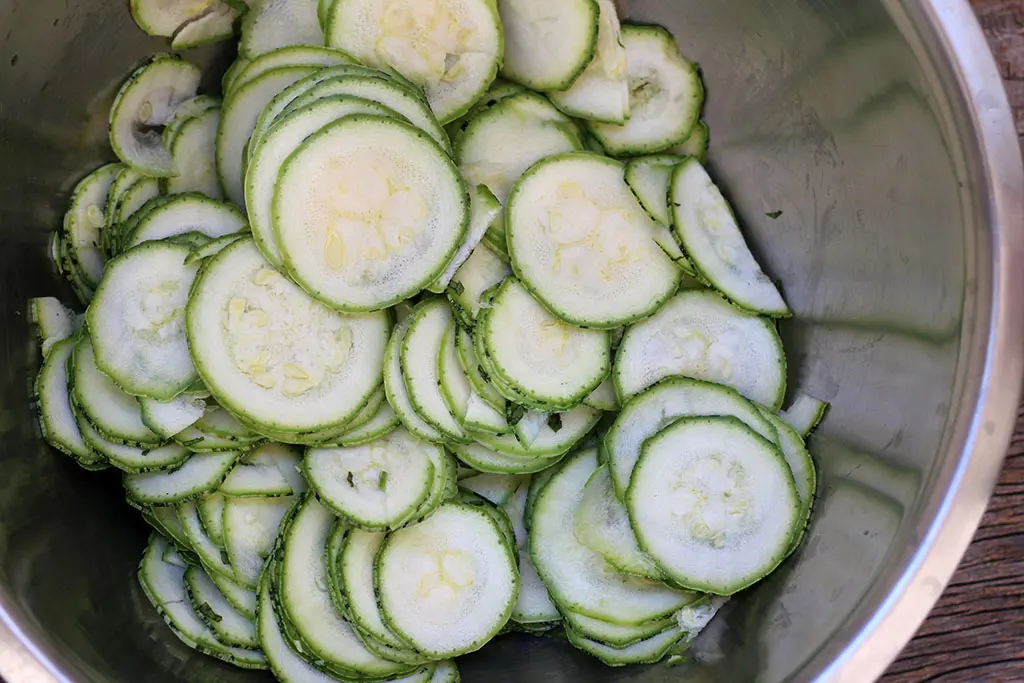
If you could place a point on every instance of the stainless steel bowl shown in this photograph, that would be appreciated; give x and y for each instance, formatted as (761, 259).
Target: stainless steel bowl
(881, 132)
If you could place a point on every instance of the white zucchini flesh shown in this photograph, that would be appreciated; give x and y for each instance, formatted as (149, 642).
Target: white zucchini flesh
(187, 213)
(375, 486)
(696, 145)
(214, 25)
(274, 356)
(134, 198)
(450, 48)
(287, 666)
(602, 524)
(649, 178)
(356, 573)
(114, 412)
(805, 413)
(229, 625)
(251, 528)
(164, 585)
(485, 459)
(497, 145)
(581, 243)
(496, 488)
(185, 112)
(710, 234)
(601, 92)
(238, 117)
(137, 321)
(211, 518)
(698, 334)
(303, 594)
(616, 635)
(277, 144)
(578, 578)
(164, 17)
(211, 556)
(604, 397)
(559, 433)
(545, 359)
(56, 419)
(273, 24)
(52, 322)
(477, 376)
(421, 346)
(215, 246)
(713, 504)
(534, 605)
(481, 271)
(801, 466)
(480, 416)
(194, 149)
(129, 458)
(396, 391)
(241, 598)
(451, 378)
(447, 584)
(446, 672)
(483, 210)
(202, 473)
(247, 480)
(656, 407)
(647, 651)
(145, 102)
(548, 45)
(367, 212)
(665, 95)
(85, 220)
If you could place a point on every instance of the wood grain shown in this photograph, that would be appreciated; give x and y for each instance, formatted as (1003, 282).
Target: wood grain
(976, 631)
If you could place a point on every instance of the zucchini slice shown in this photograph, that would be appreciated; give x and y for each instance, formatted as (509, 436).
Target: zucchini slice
(185, 214)
(129, 458)
(601, 92)
(708, 231)
(211, 517)
(268, 470)
(56, 419)
(578, 578)
(241, 598)
(696, 145)
(665, 95)
(713, 504)
(481, 271)
(801, 466)
(230, 626)
(646, 651)
(450, 48)
(85, 222)
(485, 459)
(145, 103)
(367, 212)
(395, 387)
(251, 527)
(582, 245)
(200, 474)
(698, 334)
(165, 17)
(548, 45)
(316, 57)
(653, 409)
(534, 605)
(274, 24)
(272, 355)
(805, 414)
(616, 635)
(484, 208)
(210, 554)
(212, 26)
(649, 178)
(194, 149)
(448, 584)
(52, 322)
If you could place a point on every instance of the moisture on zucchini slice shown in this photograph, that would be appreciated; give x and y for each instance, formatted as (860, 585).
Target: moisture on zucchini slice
(85, 221)
(450, 48)
(548, 45)
(546, 360)
(481, 271)
(56, 419)
(273, 24)
(251, 527)
(146, 102)
(805, 413)
(713, 504)
(375, 486)
(401, 211)
(656, 407)
(698, 334)
(665, 95)
(578, 578)
(136, 321)
(709, 233)
(601, 92)
(277, 144)
(447, 584)
(304, 600)
(582, 244)
(200, 474)
(229, 625)
(274, 356)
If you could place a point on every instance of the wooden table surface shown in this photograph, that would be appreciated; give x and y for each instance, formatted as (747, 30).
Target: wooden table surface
(976, 631)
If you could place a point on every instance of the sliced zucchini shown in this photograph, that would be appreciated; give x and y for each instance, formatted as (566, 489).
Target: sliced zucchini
(218, 422)
(132, 201)
(146, 102)
(402, 206)
(559, 433)
(665, 95)
(56, 419)
(272, 355)
(696, 145)
(185, 112)
(316, 56)
(251, 528)
(698, 334)
(713, 504)
(616, 635)
(131, 459)
(356, 571)
(305, 601)
(232, 73)
(266, 471)
(167, 418)
(656, 407)
(649, 178)
(241, 598)
(85, 221)
(478, 377)
(214, 25)
(480, 416)
(601, 91)
(549, 362)
(164, 17)
(210, 554)
(274, 24)
(164, 518)
(481, 271)
(450, 48)
(215, 246)
(485, 459)
(277, 144)
(455, 388)
(805, 414)
(195, 156)
(484, 208)
(647, 651)
(136, 321)
(380, 425)
(421, 347)
(448, 584)
(582, 245)
(211, 517)
(52, 322)
(709, 233)
(199, 475)
(604, 397)
(578, 578)
(547, 46)
(396, 391)
(230, 626)
(497, 145)
(496, 488)
(376, 486)
(534, 605)
(801, 466)
(446, 672)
